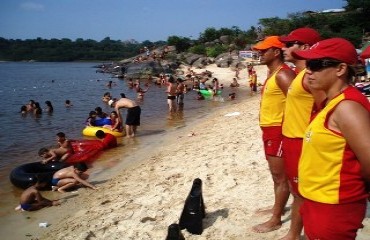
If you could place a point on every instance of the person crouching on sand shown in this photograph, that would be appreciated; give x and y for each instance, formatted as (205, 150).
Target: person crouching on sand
(71, 177)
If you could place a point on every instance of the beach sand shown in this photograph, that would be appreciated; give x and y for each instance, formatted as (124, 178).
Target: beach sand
(224, 149)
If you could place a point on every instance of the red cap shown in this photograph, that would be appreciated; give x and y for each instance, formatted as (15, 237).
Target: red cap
(268, 42)
(304, 35)
(335, 48)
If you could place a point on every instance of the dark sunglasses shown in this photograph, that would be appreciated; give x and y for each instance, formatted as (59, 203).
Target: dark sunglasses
(291, 44)
(318, 64)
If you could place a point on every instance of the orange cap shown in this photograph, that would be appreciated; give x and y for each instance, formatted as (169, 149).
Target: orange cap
(269, 42)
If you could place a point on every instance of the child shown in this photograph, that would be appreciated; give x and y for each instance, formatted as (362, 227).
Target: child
(31, 198)
(90, 121)
(116, 122)
(70, 177)
(234, 83)
(57, 154)
(108, 140)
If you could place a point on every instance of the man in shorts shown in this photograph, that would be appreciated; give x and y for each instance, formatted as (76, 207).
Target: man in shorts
(271, 118)
(133, 113)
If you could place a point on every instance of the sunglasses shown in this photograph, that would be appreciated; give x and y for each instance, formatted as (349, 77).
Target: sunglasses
(291, 44)
(318, 64)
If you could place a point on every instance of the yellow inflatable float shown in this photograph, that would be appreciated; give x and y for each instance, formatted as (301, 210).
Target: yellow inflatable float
(90, 131)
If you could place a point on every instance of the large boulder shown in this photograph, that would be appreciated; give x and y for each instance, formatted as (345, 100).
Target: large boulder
(143, 69)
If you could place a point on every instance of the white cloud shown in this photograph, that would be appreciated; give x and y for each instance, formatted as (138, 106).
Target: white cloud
(31, 6)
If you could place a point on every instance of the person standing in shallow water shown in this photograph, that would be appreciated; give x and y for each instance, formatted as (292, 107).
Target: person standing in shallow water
(133, 113)
(271, 118)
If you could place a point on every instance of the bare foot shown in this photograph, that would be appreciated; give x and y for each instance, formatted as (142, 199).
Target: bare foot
(17, 208)
(54, 188)
(270, 225)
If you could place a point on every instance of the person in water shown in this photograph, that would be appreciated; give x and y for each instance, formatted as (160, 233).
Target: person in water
(31, 198)
(133, 113)
(71, 176)
(49, 107)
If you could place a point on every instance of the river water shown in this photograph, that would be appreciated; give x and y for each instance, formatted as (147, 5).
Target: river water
(22, 136)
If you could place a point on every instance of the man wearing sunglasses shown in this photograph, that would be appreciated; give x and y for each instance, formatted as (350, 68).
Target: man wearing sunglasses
(271, 117)
(298, 108)
(335, 160)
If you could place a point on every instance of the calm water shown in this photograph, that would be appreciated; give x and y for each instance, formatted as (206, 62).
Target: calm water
(22, 136)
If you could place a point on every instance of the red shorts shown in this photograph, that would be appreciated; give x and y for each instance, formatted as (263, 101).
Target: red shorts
(292, 148)
(332, 221)
(272, 138)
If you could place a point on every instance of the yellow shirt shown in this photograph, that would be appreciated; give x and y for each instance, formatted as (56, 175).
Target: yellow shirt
(329, 171)
(298, 108)
(272, 103)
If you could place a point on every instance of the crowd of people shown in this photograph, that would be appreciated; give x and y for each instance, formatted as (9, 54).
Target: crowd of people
(315, 131)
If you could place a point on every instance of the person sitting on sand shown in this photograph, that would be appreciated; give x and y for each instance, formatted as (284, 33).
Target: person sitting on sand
(108, 140)
(71, 177)
(234, 83)
(31, 198)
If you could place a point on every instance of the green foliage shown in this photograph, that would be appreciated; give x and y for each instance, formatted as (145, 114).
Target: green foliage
(216, 50)
(198, 49)
(182, 43)
(67, 50)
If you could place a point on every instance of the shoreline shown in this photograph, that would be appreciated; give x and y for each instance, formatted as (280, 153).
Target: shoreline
(144, 198)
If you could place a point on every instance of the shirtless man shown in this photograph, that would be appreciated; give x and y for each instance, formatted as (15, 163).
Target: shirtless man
(180, 90)
(171, 94)
(133, 113)
(69, 177)
(31, 198)
(62, 153)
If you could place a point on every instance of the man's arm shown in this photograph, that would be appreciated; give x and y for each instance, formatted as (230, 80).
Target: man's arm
(284, 78)
(85, 183)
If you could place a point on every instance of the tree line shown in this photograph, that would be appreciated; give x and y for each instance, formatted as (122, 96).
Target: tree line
(352, 24)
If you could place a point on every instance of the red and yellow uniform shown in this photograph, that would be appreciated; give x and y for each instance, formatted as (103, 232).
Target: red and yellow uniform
(297, 115)
(271, 115)
(330, 177)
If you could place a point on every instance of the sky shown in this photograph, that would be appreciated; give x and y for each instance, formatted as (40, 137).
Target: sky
(152, 20)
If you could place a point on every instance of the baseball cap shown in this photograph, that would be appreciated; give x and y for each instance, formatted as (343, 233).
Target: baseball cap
(335, 48)
(110, 102)
(304, 35)
(268, 42)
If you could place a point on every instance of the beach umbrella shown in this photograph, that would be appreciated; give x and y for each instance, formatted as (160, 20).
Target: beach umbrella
(365, 53)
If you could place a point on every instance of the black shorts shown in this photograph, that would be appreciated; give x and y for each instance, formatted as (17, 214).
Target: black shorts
(171, 97)
(133, 116)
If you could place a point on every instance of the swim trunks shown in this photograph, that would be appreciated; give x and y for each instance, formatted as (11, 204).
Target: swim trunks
(292, 148)
(54, 181)
(171, 97)
(133, 116)
(272, 141)
(332, 221)
(26, 206)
